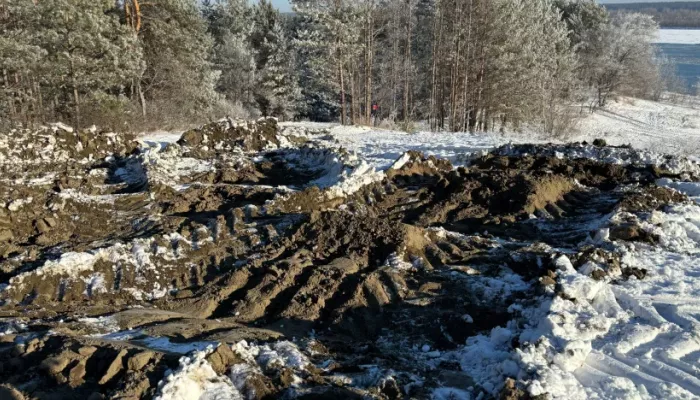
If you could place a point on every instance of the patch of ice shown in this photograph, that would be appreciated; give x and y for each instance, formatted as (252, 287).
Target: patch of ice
(155, 343)
(446, 393)
(103, 324)
(678, 36)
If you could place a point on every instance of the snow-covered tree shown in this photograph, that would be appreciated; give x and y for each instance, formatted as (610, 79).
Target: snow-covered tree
(498, 62)
(530, 66)
(627, 57)
(65, 56)
(179, 81)
(230, 24)
(276, 91)
(326, 39)
(615, 53)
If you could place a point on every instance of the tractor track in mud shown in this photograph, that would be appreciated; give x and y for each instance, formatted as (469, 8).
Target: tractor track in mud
(234, 234)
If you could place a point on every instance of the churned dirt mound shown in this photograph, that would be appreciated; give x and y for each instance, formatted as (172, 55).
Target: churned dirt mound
(115, 262)
(228, 134)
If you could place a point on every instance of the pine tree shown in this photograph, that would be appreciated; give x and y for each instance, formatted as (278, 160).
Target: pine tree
(230, 25)
(276, 91)
(326, 39)
(179, 80)
(18, 59)
(73, 55)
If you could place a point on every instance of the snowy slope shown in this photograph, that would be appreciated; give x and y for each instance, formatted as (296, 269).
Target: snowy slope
(658, 126)
(636, 339)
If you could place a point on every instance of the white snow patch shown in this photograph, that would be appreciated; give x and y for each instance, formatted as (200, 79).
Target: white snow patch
(195, 379)
(272, 356)
(690, 189)
(628, 340)
(661, 127)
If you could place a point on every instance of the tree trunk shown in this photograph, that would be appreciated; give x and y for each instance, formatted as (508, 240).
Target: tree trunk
(342, 94)
(407, 66)
(465, 95)
(369, 32)
(40, 97)
(10, 94)
(76, 96)
(437, 42)
(142, 98)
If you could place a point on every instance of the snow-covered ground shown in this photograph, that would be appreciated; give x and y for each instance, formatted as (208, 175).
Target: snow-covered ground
(635, 339)
(678, 36)
(382, 147)
(663, 127)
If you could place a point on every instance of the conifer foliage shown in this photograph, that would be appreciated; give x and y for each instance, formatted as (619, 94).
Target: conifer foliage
(462, 65)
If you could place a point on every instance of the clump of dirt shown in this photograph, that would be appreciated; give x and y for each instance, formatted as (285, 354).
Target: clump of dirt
(512, 392)
(651, 198)
(59, 367)
(638, 273)
(597, 263)
(60, 143)
(228, 134)
(631, 232)
(641, 160)
(415, 163)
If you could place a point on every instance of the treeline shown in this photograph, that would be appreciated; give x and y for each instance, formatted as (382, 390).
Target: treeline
(667, 15)
(461, 64)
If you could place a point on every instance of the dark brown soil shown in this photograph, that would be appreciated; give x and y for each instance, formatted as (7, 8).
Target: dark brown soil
(238, 255)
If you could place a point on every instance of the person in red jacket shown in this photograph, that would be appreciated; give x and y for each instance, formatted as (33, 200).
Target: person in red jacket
(375, 113)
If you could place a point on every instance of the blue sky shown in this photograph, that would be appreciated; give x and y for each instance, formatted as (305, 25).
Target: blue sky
(283, 5)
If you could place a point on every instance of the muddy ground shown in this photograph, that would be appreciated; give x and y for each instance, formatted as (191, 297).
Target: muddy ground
(116, 255)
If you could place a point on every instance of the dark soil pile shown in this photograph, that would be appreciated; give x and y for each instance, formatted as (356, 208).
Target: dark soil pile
(227, 135)
(255, 251)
